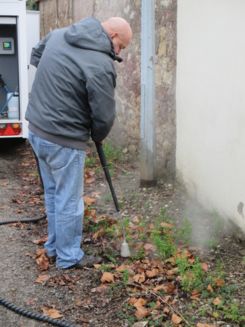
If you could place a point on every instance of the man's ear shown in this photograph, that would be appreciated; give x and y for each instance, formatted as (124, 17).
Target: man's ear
(113, 34)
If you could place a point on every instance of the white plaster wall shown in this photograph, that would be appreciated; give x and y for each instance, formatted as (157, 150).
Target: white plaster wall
(211, 103)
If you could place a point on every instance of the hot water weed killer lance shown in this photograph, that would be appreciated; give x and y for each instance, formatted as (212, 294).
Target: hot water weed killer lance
(125, 251)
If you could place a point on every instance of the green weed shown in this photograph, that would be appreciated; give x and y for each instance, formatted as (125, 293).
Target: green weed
(191, 274)
(90, 161)
(112, 153)
(162, 236)
(232, 312)
(139, 255)
(125, 276)
(163, 243)
(183, 233)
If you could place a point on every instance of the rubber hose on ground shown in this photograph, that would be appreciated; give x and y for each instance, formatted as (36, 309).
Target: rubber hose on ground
(33, 315)
(22, 220)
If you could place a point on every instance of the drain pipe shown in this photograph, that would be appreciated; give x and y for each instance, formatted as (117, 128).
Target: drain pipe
(147, 128)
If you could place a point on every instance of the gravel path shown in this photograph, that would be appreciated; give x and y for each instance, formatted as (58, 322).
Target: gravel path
(16, 275)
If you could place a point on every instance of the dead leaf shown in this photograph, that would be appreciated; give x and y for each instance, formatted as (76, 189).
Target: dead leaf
(204, 266)
(166, 225)
(195, 295)
(210, 288)
(191, 260)
(100, 289)
(140, 324)
(138, 302)
(219, 282)
(139, 278)
(168, 288)
(185, 254)
(52, 313)
(199, 324)
(132, 300)
(98, 234)
(83, 303)
(152, 273)
(217, 301)
(142, 312)
(88, 200)
(89, 176)
(122, 268)
(172, 272)
(176, 319)
(41, 279)
(166, 310)
(107, 277)
(41, 240)
(136, 220)
(42, 259)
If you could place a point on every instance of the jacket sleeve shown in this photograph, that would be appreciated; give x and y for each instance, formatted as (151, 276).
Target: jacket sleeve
(37, 51)
(101, 100)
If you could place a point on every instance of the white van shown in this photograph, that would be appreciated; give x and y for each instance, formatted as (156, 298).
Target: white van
(19, 32)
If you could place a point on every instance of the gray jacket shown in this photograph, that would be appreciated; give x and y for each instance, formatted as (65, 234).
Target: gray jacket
(72, 96)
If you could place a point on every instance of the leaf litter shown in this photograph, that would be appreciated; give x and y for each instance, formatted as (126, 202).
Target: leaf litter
(149, 288)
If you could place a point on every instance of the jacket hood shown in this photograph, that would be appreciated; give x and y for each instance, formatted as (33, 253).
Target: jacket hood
(89, 34)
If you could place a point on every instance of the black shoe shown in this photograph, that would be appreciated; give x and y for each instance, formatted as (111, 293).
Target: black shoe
(87, 261)
(51, 259)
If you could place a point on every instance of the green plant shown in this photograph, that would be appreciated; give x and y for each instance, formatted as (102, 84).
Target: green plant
(124, 223)
(90, 161)
(105, 267)
(162, 235)
(111, 231)
(163, 217)
(164, 243)
(183, 233)
(125, 276)
(112, 153)
(139, 255)
(192, 276)
(232, 312)
(31, 5)
(127, 314)
(203, 310)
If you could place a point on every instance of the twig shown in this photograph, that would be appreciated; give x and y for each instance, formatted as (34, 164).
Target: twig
(147, 291)
(170, 306)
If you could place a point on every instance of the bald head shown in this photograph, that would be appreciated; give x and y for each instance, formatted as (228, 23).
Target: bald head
(119, 31)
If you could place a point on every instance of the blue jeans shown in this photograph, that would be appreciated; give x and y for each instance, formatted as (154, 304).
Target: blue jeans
(62, 171)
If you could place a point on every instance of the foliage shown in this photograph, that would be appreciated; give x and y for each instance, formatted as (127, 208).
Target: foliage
(183, 232)
(191, 274)
(112, 153)
(31, 5)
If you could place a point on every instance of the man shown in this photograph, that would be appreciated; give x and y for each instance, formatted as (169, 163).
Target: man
(72, 99)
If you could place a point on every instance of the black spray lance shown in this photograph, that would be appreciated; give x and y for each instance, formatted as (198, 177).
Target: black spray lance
(125, 252)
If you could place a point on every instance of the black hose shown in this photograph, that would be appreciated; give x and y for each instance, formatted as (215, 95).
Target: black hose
(21, 311)
(22, 220)
(33, 315)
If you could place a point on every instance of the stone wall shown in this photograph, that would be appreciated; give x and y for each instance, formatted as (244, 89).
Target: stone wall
(126, 130)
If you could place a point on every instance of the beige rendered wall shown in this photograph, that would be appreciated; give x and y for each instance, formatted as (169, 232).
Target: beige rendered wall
(211, 102)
